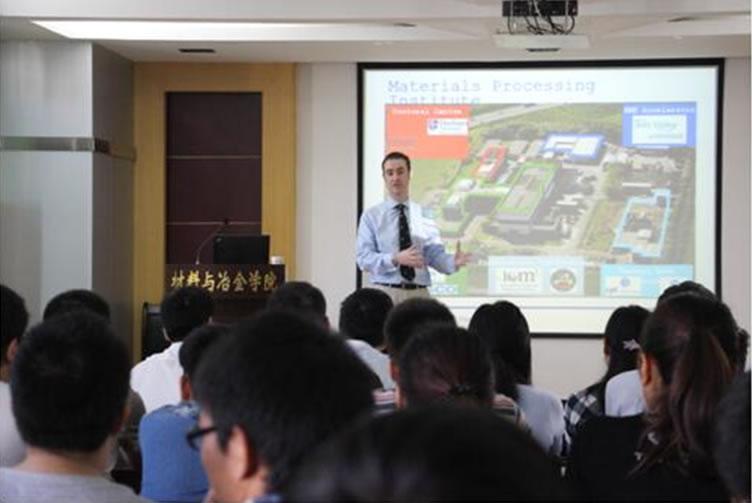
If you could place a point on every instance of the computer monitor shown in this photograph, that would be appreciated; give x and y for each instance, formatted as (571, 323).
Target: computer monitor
(241, 249)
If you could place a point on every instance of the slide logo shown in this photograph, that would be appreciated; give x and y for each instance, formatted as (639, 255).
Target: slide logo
(447, 127)
(658, 125)
(535, 276)
(519, 279)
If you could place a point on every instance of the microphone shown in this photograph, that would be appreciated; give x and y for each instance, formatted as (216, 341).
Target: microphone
(225, 223)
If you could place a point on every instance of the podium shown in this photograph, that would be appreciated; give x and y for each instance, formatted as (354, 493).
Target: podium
(239, 290)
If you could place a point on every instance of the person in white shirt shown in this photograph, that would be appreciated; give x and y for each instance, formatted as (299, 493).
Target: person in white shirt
(14, 318)
(156, 377)
(624, 395)
(361, 319)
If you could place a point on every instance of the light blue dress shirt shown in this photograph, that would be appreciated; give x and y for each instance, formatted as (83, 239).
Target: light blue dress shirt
(378, 242)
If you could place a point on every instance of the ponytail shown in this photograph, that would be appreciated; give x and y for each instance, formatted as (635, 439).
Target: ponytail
(696, 370)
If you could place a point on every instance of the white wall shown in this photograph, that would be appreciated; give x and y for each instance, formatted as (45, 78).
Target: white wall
(45, 197)
(327, 202)
(66, 217)
(736, 225)
(112, 244)
(327, 180)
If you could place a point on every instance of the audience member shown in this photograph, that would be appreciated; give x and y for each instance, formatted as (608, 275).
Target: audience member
(13, 321)
(620, 348)
(430, 454)
(156, 378)
(302, 298)
(444, 364)
(731, 446)
(361, 319)
(623, 395)
(69, 385)
(172, 471)
(75, 300)
(269, 395)
(689, 347)
(404, 321)
(125, 456)
(505, 331)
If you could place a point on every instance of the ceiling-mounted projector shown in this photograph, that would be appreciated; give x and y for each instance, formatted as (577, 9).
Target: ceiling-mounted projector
(543, 8)
(541, 43)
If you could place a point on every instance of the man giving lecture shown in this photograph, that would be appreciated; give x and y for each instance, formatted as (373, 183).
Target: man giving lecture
(396, 243)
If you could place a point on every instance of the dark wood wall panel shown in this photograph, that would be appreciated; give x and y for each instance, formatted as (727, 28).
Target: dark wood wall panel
(198, 190)
(213, 123)
(213, 169)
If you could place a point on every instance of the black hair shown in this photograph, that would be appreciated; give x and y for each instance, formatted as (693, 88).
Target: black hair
(732, 438)
(69, 383)
(287, 383)
(184, 309)
(436, 453)
(408, 317)
(446, 364)
(300, 297)
(504, 329)
(622, 334)
(363, 313)
(14, 318)
(686, 287)
(693, 340)
(196, 345)
(743, 349)
(76, 300)
(392, 156)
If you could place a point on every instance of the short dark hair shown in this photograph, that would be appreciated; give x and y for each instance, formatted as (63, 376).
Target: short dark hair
(14, 318)
(392, 156)
(431, 454)
(76, 300)
(287, 383)
(69, 383)
(300, 297)
(363, 313)
(732, 438)
(196, 345)
(443, 363)
(408, 317)
(505, 331)
(184, 309)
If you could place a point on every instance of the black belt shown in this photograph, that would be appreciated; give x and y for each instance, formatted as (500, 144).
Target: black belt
(402, 286)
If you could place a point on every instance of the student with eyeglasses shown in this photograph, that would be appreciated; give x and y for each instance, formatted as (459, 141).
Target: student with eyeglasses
(270, 394)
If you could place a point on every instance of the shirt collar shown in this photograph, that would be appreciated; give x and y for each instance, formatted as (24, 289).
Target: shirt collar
(391, 203)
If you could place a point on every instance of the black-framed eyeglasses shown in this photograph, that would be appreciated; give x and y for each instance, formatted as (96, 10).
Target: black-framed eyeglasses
(195, 434)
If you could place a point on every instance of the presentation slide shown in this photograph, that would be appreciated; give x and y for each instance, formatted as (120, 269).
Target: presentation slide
(577, 189)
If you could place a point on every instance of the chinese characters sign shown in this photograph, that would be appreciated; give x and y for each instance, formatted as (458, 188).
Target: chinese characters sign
(226, 280)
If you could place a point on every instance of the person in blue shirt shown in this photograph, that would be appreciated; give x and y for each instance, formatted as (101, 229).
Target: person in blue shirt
(172, 470)
(396, 243)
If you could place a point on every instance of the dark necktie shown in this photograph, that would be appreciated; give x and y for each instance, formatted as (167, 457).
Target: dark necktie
(405, 242)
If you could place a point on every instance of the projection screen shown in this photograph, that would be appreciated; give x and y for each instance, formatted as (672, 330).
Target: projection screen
(577, 187)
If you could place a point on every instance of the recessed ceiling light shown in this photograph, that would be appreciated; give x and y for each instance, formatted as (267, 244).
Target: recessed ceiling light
(197, 50)
(684, 19)
(191, 31)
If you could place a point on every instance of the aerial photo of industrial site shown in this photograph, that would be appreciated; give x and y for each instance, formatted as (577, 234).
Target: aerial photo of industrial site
(556, 199)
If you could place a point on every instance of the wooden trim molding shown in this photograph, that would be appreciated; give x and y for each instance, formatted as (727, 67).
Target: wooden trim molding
(276, 82)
